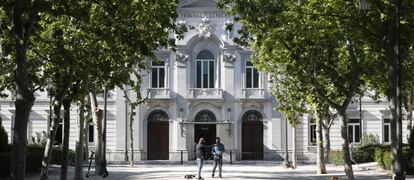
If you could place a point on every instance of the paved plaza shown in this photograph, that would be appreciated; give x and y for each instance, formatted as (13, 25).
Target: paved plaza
(236, 171)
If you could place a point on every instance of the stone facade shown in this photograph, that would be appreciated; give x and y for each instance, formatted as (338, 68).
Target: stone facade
(207, 88)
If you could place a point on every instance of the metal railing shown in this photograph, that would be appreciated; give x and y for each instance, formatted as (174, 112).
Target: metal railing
(180, 156)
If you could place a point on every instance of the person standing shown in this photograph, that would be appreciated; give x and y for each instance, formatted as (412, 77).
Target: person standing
(200, 153)
(217, 151)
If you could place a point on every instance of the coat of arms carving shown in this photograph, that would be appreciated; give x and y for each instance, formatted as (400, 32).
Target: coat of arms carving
(205, 28)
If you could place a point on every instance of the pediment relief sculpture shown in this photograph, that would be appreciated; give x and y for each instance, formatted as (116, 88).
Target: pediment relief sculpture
(205, 29)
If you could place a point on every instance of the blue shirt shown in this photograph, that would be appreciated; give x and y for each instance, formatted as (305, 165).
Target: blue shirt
(218, 149)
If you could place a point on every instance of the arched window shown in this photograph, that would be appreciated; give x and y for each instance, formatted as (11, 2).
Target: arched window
(205, 70)
(157, 115)
(252, 115)
(205, 116)
(205, 55)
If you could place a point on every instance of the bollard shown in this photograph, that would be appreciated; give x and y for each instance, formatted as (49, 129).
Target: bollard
(181, 152)
(231, 157)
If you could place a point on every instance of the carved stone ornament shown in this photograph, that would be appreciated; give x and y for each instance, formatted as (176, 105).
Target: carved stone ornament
(183, 58)
(205, 28)
(229, 58)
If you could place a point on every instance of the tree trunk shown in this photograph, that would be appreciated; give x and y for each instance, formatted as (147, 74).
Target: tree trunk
(294, 153)
(65, 147)
(88, 120)
(394, 97)
(345, 145)
(79, 143)
(18, 154)
(326, 143)
(320, 161)
(24, 96)
(131, 134)
(47, 155)
(409, 117)
(97, 118)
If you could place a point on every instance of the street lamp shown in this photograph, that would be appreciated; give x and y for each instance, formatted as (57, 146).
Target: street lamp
(286, 159)
(104, 127)
(126, 127)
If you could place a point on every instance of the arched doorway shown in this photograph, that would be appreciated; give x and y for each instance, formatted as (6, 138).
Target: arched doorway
(252, 136)
(204, 128)
(158, 136)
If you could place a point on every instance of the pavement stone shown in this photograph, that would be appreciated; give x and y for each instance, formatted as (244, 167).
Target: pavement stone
(365, 171)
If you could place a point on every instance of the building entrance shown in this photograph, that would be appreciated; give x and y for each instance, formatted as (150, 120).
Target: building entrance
(208, 132)
(158, 136)
(205, 128)
(252, 136)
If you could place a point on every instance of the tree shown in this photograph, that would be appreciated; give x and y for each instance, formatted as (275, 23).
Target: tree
(318, 43)
(93, 41)
(389, 39)
(79, 156)
(327, 119)
(19, 24)
(291, 101)
(132, 107)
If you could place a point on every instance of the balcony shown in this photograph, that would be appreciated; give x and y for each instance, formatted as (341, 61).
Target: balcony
(209, 93)
(253, 93)
(159, 93)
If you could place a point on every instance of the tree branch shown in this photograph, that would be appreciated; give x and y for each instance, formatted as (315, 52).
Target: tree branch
(355, 74)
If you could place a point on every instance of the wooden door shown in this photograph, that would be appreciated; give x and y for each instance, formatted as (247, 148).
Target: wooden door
(158, 140)
(252, 140)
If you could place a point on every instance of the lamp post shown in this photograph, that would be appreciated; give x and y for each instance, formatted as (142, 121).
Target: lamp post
(126, 128)
(104, 126)
(286, 159)
(360, 115)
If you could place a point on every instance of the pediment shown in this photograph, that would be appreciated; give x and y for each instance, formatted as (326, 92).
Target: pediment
(198, 4)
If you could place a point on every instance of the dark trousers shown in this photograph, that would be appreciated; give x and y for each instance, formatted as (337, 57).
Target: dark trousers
(218, 161)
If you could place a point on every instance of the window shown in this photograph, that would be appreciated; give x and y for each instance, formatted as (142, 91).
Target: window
(91, 133)
(386, 131)
(252, 76)
(205, 70)
(354, 130)
(158, 74)
(312, 132)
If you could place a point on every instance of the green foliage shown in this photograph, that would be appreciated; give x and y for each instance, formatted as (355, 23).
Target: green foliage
(364, 154)
(383, 156)
(291, 100)
(4, 141)
(369, 139)
(336, 158)
(57, 157)
(5, 164)
(34, 159)
(408, 158)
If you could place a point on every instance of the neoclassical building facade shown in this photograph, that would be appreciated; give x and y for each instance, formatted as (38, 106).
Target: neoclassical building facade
(207, 88)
